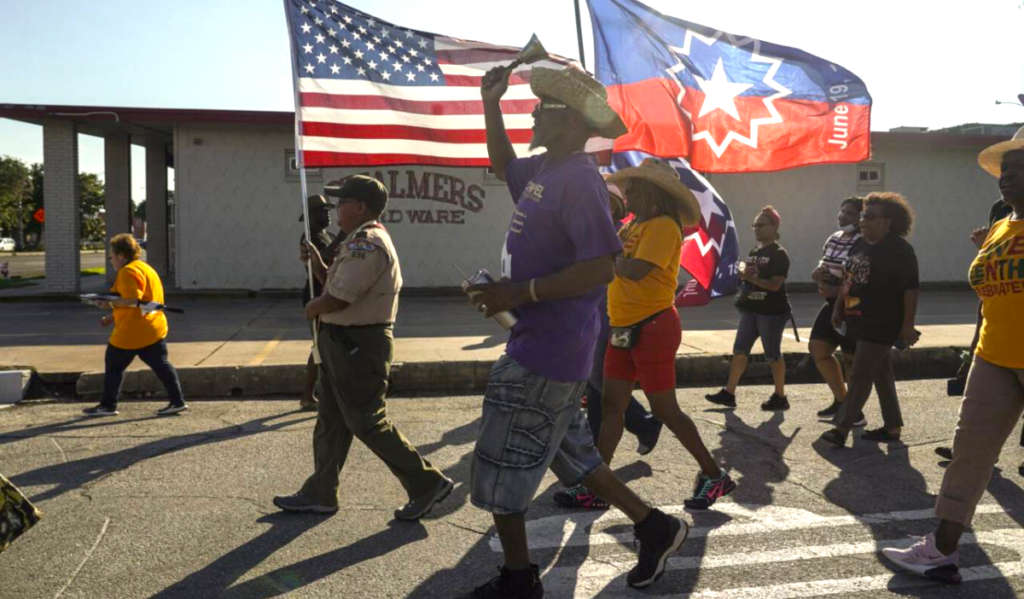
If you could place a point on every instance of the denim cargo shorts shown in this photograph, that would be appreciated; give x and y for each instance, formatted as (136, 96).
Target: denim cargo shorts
(529, 423)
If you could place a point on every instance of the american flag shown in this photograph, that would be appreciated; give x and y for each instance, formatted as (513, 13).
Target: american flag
(370, 92)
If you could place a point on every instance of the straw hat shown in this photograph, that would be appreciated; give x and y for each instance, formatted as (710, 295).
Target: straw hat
(615, 195)
(663, 175)
(991, 158)
(581, 92)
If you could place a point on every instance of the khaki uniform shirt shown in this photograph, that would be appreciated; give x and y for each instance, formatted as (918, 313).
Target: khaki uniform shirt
(366, 274)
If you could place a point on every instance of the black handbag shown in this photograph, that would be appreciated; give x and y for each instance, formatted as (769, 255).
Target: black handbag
(627, 337)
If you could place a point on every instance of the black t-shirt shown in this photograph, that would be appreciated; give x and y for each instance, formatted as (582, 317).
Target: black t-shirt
(999, 211)
(876, 277)
(769, 261)
(321, 241)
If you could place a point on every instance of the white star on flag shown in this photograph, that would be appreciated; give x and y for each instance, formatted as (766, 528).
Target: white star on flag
(334, 49)
(385, 75)
(372, 65)
(320, 38)
(321, 58)
(369, 46)
(308, 49)
(309, 68)
(359, 54)
(433, 77)
(410, 76)
(422, 44)
(318, 21)
(720, 93)
(306, 28)
(347, 59)
(361, 71)
(346, 43)
(335, 69)
(383, 56)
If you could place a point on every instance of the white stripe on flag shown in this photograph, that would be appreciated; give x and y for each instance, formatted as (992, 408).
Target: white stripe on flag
(409, 119)
(341, 87)
(401, 146)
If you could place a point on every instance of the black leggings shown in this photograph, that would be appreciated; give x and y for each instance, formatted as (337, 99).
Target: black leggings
(155, 356)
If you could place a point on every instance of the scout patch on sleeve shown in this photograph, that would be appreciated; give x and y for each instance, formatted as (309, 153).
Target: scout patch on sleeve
(361, 245)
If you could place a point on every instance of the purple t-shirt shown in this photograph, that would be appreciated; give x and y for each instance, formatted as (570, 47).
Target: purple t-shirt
(562, 217)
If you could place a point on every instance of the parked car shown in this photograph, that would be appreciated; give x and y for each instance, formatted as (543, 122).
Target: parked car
(6, 244)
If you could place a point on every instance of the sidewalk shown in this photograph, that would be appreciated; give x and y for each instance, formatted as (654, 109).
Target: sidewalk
(232, 346)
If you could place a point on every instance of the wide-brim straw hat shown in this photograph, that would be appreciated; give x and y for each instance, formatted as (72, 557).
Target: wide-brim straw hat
(991, 158)
(663, 175)
(582, 93)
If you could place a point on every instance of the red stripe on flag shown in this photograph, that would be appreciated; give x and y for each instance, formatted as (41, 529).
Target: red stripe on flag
(315, 159)
(315, 100)
(454, 136)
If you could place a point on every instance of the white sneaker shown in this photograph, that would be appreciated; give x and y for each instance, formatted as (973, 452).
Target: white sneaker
(923, 558)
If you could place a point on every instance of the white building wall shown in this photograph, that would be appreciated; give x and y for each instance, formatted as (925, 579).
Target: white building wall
(950, 194)
(238, 210)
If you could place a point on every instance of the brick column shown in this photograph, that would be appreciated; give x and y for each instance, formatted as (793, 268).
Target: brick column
(157, 249)
(61, 200)
(117, 178)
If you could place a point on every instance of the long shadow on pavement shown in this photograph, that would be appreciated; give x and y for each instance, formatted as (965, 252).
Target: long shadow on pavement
(215, 580)
(64, 427)
(874, 480)
(68, 476)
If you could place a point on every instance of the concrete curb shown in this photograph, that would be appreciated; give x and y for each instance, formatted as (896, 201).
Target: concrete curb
(471, 375)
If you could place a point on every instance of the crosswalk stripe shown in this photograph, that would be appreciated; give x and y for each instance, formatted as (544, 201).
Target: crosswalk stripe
(571, 530)
(594, 577)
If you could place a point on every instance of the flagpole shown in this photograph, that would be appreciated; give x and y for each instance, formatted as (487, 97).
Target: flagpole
(579, 34)
(300, 163)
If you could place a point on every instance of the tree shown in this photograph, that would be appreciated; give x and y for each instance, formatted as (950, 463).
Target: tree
(15, 196)
(91, 198)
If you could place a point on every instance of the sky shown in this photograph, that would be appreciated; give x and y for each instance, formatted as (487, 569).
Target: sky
(925, 65)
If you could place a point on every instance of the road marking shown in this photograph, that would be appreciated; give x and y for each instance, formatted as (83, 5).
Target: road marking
(269, 347)
(572, 529)
(88, 554)
(604, 577)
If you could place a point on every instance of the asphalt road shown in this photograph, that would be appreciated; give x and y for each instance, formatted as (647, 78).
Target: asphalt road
(34, 264)
(180, 507)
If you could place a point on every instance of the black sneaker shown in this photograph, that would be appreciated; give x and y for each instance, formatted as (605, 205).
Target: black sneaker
(510, 584)
(835, 437)
(722, 398)
(776, 402)
(945, 453)
(100, 410)
(300, 504)
(660, 535)
(832, 410)
(580, 497)
(417, 508)
(707, 491)
(646, 444)
(172, 409)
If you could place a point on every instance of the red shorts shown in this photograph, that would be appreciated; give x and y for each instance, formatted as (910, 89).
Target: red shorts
(653, 359)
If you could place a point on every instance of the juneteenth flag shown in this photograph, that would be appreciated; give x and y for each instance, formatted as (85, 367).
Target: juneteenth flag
(727, 103)
(372, 93)
(710, 249)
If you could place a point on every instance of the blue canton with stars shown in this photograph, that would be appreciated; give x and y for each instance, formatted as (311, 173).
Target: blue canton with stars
(335, 41)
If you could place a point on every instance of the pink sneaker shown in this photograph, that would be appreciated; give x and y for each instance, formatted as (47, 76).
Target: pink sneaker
(924, 559)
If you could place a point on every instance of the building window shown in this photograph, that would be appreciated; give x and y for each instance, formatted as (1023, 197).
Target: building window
(291, 169)
(870, 177)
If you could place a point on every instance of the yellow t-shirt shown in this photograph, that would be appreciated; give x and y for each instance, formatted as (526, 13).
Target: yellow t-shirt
(658, 241)
(132, 330)
(997, 276)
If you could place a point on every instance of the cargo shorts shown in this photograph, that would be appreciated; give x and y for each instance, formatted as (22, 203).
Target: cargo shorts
(529, 423)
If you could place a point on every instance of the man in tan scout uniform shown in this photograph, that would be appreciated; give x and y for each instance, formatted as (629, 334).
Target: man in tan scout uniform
(356, 342)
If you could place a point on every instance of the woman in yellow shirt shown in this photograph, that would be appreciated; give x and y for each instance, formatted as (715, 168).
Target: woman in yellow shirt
(135, 333)
(994, 397)
(645, 325)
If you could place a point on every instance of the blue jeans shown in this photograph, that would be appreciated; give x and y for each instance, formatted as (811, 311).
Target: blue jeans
(529, 423)
(117, 361)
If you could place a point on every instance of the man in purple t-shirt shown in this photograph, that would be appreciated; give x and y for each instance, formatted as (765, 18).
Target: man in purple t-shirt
(558, 256)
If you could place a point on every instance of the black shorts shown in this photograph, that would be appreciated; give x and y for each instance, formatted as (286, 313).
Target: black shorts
(823, 330)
